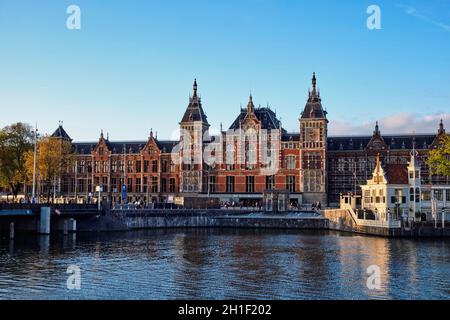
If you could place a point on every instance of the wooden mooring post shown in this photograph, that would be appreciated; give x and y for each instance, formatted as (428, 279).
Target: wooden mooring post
(66, 227)
(11, 231)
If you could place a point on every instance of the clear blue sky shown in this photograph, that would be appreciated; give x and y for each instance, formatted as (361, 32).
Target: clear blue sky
(131, 66)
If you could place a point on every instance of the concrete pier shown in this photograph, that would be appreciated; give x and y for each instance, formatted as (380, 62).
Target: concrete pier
(343, 220)
(72, 225)
(44, 222)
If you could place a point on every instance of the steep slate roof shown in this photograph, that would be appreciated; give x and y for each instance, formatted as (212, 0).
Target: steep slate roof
(117, 147)
(83, 147)
(61, 133)
(194, 111)
(313, 107)
(167, 145)
(286, 137)
(265, 116)
(396, 173)
(394, 142)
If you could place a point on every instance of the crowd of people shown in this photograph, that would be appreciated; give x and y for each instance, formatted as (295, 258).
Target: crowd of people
(316, 206)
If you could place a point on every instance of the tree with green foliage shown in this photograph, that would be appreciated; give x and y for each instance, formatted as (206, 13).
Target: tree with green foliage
(15, 141)
(439, 158)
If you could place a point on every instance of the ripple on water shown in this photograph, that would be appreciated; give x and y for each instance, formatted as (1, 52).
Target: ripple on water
(225, 264)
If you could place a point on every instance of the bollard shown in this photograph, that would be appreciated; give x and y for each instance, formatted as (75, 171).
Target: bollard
(11, 231)
(44, 223)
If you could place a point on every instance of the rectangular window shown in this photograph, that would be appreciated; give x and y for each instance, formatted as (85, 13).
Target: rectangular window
(114, 166)
(138, 185)
(250, 184)
(163, 185)
(290, 162)
(130, 185)
(146, 164)
(438, 194)
(426, 195)
(145, 185)
(81, 167)
(96, 167)
(230, 184)
(130, 166)
(172, 185)
(290, 183)
(314, 161)
(104, 166)
(114, 185)
(270, 182)
(80, 185)
(212, 184)
(154, 184)
(155, 166)
(138, 166)
(105, 184)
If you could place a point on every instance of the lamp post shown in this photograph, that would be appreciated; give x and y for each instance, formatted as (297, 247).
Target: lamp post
(434, 209)
(33, 192)
(99, 190)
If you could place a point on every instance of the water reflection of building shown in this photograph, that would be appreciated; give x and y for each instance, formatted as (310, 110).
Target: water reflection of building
(356, 255)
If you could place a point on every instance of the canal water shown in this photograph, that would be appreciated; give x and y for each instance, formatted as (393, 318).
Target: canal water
(223, 264)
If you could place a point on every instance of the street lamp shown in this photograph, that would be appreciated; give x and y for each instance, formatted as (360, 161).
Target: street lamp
(99, 190)
(33, 193)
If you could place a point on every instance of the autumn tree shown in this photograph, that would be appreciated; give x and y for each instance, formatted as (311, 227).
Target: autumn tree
(52, 159)
(439, 158)
(15, 141)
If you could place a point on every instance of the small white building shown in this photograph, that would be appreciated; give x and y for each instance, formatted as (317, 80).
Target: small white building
(395, 191)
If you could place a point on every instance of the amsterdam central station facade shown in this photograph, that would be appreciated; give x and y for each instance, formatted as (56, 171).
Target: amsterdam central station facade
(239, 164)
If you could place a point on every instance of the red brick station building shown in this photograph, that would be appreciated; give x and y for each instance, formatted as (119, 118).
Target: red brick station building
(237, 165)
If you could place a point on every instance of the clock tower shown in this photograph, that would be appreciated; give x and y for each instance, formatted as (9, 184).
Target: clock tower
(194, 132)
(313, 147)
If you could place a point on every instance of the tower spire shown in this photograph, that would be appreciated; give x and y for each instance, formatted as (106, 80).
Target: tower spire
(250, 105)
(441, 128)
(195, 88)
(377, 129)
(314, 82)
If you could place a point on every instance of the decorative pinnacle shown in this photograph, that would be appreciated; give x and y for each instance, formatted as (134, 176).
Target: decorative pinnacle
(195, 87)
(314, 82)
